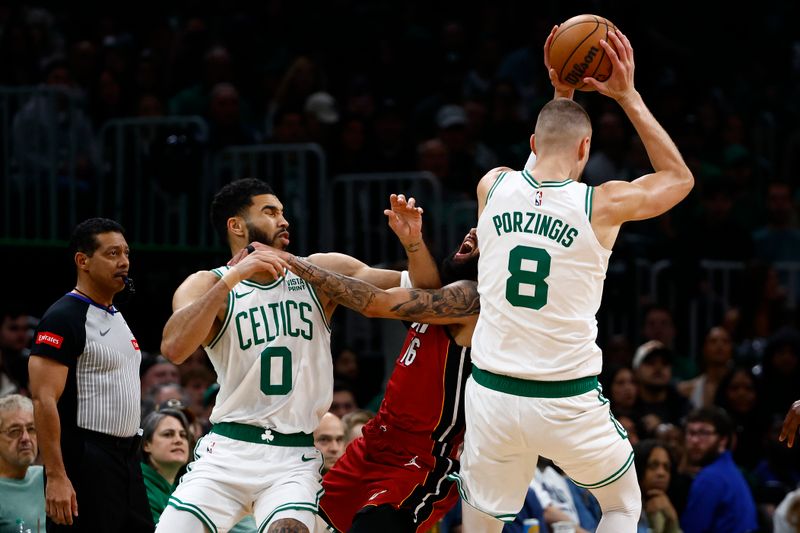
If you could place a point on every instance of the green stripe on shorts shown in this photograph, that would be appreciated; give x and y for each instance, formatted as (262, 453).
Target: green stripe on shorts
(610, 479)
(502, 517)
(195, 510)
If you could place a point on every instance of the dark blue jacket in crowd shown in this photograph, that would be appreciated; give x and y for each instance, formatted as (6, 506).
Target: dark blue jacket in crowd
(719, 500)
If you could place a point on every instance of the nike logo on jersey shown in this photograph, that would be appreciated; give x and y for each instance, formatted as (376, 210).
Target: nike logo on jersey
(104, 333)
(307, 459)
(376, 495)
(238, 295)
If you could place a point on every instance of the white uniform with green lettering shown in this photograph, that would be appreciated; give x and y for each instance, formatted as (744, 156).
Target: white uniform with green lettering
(273, 362)
(534, 351)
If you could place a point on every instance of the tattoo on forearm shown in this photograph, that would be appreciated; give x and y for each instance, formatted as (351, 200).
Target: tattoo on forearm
(457, 300)
(351, 292)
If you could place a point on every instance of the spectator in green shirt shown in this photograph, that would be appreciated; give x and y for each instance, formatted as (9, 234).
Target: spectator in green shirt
(165, 450)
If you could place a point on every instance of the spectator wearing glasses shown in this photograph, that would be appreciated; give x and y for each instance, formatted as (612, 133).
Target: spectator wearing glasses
(719, 498)
(21, 482)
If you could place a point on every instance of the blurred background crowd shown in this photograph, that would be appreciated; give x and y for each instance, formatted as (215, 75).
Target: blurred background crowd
(139, 111)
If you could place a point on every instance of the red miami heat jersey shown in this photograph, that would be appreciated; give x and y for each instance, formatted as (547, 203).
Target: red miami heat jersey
(425, 393)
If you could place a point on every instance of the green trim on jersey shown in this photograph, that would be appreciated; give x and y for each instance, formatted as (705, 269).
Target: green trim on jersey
(195, 510)
(502, 517)
(531, 388)
(494, 185)
(225, 322)
(556, 183)
(259, 435)
(530, 179)
(217, 272)
(610, 479)
(319, 306)
(294, 506)
(588, 203)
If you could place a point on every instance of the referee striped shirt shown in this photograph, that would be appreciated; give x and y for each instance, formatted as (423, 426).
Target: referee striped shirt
(102, 392)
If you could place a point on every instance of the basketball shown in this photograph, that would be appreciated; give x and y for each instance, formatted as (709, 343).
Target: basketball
(576, 53)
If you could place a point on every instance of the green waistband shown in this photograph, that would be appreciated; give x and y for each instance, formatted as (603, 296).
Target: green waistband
(259, 435)
(533, 389)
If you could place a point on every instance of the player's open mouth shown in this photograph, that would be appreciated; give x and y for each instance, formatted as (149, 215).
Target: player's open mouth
(283, 235)
(467, 247)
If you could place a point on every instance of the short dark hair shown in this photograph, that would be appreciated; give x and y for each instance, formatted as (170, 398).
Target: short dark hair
(150, 424)
(84, 236)
(233, 199)
(717, 417)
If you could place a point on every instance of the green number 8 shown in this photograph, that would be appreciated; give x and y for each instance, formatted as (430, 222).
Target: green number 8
(536, 278)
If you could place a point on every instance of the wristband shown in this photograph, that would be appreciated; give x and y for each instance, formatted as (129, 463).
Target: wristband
(231, 279)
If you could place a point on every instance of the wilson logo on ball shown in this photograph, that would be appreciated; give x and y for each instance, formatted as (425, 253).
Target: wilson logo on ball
(576, 74)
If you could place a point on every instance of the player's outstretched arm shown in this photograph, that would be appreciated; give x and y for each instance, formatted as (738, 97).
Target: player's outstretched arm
(452, 304)
(405, 220)
(790, 424)
(653, 194)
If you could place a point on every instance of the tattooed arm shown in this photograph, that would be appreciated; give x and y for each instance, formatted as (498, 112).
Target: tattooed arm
(452, 304)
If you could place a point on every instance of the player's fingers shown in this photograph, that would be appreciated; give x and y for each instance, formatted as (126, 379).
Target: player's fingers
(628, 45)
(74, 504)
(621, 48)
(412, 202)
(612, 54)
(547, 43)
(594, 83)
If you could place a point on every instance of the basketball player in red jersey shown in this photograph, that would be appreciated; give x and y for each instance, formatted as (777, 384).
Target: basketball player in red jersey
(394, 478)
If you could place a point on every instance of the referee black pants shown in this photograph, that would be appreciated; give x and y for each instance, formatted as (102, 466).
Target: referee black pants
(106, 474)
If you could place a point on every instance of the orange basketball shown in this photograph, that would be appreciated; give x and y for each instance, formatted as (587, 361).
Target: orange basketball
(576, 53)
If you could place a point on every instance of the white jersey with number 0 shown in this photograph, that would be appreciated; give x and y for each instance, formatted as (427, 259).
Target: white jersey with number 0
(540, 279)
(273, 357)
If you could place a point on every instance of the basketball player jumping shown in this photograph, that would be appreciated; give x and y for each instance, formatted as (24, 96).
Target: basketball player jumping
(545, 241)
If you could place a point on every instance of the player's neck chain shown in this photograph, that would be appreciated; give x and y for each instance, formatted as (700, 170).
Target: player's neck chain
(109, 308)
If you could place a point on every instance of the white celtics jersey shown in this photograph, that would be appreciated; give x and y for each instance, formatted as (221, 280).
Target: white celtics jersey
(273, 356)
(540, 279)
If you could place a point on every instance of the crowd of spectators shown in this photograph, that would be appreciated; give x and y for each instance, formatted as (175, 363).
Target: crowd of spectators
(385, 87)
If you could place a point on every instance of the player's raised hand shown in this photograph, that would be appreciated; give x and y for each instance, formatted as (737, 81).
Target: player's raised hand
(790, 424)
(405, 219)
(562, 90)
(620, 84)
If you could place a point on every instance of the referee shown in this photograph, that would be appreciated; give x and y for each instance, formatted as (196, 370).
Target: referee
(84, 377)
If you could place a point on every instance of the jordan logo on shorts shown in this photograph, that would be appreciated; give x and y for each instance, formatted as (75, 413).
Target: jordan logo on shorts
(413, 462)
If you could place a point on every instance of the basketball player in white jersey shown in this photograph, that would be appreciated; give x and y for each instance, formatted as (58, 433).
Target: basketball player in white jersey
(545, 242)
(267, 333)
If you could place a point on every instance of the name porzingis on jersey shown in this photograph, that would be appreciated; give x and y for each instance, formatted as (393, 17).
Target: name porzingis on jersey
(536, 224)
(295, 284)
(264, 323)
